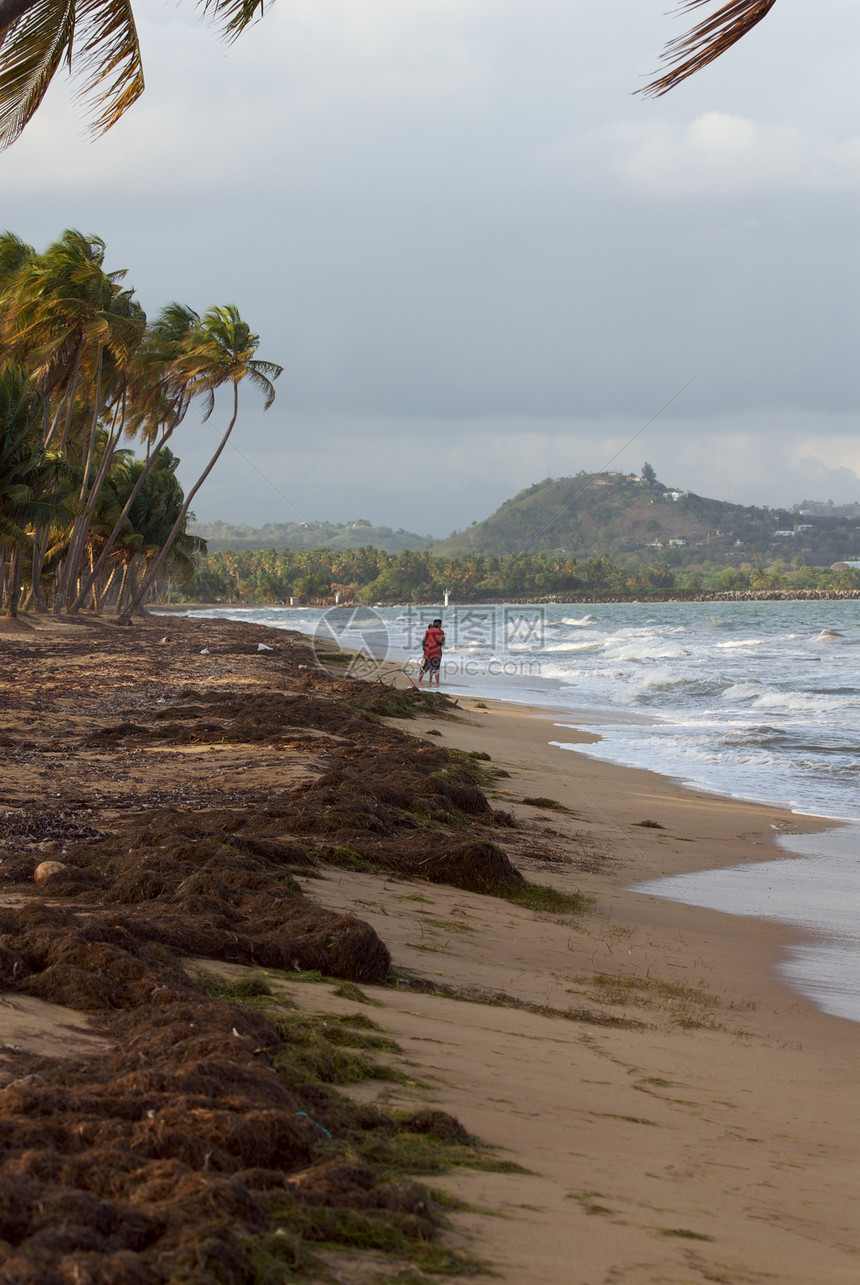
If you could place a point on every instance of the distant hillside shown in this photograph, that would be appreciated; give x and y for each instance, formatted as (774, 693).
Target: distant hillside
(640, 522)
(221, 537)
(826, 509)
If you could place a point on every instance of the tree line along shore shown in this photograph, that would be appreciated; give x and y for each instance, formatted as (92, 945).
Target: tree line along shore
(369, 575)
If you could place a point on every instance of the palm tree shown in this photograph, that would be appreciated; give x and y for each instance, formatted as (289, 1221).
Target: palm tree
(97, 40)
(151, 519)
(687, 54)
(159, 400)
(75, 328)
(25, 474)
(109, 405)
(61, 312)
(221, 352)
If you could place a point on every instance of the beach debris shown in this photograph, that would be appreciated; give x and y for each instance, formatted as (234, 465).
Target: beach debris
(542, 801)
(46, 870)
(159, 1158)
(47, 831)
(222, 896)
(296, 1179)
(474, 867)
(650, 825)
(264, 647)
(436, 1124)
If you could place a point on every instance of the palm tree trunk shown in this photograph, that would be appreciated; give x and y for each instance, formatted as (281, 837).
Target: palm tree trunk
(121, 591)
(14, 586)
(68, 400)
(39, 603)
(94, 423)
(114, 535)
(84, 520)
(160, 559)
(95, 587)
(80, 526)
(105, 589)
(112, 596)
(127, 592)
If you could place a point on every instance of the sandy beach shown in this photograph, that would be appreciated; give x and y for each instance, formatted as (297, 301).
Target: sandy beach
(716, 1142)
(668, 1109)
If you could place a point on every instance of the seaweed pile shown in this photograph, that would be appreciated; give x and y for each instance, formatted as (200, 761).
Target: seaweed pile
(193, 1152)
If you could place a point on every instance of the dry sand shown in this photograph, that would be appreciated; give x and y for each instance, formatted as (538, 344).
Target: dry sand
(719, 1142)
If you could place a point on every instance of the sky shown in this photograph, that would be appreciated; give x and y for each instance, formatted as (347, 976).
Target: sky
(481, 259)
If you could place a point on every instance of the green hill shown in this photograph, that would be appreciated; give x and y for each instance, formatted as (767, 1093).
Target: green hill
(220, 537)
(639, 522)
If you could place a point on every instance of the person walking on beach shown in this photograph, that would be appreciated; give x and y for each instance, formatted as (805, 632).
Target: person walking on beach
(433, 642)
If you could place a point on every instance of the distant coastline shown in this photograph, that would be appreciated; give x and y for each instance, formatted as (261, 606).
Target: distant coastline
(735, 595)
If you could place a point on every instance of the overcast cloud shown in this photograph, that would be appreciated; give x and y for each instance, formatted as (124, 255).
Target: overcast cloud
(479, 259)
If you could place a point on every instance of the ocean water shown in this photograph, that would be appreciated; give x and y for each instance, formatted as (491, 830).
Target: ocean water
(819, 891)
(756, 701)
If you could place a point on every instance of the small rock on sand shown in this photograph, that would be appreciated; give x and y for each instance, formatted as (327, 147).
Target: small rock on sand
(46, 870)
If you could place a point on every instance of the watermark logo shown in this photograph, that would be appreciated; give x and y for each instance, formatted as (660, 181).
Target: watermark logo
(521, 628)
(524, 627)
(350, 642)
(504, 641)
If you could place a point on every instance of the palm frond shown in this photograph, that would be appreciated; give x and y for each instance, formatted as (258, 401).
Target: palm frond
(98, 41)
(32, 50)
(233, 16)
(270, 369)
(14, 253)
(687, 54)
(174, 322)
(262, 375)
(108, 59)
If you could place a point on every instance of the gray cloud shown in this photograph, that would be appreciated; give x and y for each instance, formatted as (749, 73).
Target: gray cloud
(478, 258)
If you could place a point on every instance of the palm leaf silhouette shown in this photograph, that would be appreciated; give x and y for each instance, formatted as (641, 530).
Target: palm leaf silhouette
(687, 54)
(97, 41)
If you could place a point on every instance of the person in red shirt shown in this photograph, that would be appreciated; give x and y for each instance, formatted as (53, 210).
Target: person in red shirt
(433, 642)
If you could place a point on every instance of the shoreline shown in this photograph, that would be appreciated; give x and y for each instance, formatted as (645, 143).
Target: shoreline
(588, 782)
(798, 931)
(592, 717)
(608, 795)
(676, 1111)
(634, 1139)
